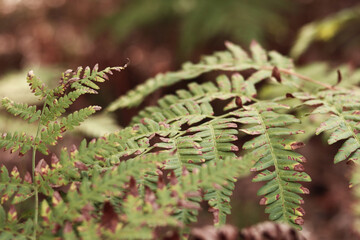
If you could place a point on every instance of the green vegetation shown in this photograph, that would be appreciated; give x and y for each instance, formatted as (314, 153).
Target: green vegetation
(189, 148)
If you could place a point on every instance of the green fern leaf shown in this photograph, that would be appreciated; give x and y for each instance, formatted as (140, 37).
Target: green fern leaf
(36, 86)
(200, 94)
(177, 114)
(53, 131)
(28, 113)
(344, 109)
(234, 59)
(57, 107)
(13, 187)
(12, 228)
(15, 142)
(272, 149)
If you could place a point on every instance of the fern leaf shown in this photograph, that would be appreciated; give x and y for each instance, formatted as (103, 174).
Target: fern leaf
(36, 86)
(132, 140)
(15, 142)
(344, 110)
(272, 149)
(85, 80)
(28, 113)
(96, 190)
(75, 118)
(12, 228)
(217, 147)
(200, 94)
(57, 107)
(216, 137)
(13, 187)
(177, 114)
(185, 154)
(209, 176)
(52, 132)
(233, 59)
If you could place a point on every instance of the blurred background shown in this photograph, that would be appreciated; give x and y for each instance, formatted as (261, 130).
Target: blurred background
(50, 36)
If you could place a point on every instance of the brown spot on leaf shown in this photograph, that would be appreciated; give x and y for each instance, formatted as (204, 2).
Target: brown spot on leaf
(234, 148)
(54, 160)
(96, 108)
(305, 190)
(151, 198)
(73, 148)
(238, 101)
(101, 158)
(27, 177)
(188, 204)
(132, 187)
(339, 77)
(173, 179)
(56, 198)
(12, 214)
(160, 183)
(301, 210)
(276, 74)
(215, 213)
(299, 221)
(289, 95)
(185, 172)
(263, 201)
(42, 167)
(297, 145)
(109, 219)
(299, 167)
(80, 165)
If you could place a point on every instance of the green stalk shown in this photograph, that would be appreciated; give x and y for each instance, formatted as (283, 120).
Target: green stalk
(33, 160)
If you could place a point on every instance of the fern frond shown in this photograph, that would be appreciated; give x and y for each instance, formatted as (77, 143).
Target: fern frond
(85, 80)
(37, 86)
(131, 140)
(74, 119)
(216, 142)
(58, 174)
(28, 113)
(185, 154)
(54, 131)
(58, 106)
(216, 180)
(272, 149)
(218, 195)
(201, 94)
(233, 59)
(12, 228)
(216, 137)
(178, 114)
(344, 110)
(96, 190)
(13, 187)
(14, 190)
(16, 141)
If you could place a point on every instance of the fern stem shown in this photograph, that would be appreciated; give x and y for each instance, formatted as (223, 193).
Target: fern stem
(305, 78)
(36, 192)
(33, 161)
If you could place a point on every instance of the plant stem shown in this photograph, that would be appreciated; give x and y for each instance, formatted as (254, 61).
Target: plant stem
(33, 161)
(305, 78)
(230, 67)
(36, 192)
